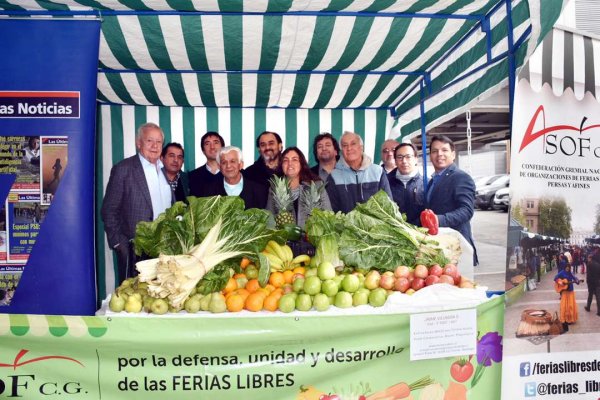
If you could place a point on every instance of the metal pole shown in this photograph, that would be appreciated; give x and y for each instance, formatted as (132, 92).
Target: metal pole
(423, 132)
(512, 68)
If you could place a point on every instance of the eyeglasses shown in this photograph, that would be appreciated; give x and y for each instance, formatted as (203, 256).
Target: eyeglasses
(400, 157)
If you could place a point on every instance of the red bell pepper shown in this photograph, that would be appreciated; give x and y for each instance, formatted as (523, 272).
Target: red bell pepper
(430, 221)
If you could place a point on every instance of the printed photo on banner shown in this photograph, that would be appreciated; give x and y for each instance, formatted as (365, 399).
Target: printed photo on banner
(20, 155)
(54, 164)
(25, 215)
(553, 246)
(9, 280)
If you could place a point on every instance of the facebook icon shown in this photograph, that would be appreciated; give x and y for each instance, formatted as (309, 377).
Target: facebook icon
(525, 369)
(530, 389)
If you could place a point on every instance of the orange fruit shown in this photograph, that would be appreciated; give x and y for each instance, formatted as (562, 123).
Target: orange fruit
(235, 276)
(270, 287)
(254, 302)
(277, 293)
(299, 270)
(244, 263)
(231, 286)
(235, 303)
(263, 291)
(243, 292)
(276, 279)
(288, 275)
(271, 303)
(252, 285)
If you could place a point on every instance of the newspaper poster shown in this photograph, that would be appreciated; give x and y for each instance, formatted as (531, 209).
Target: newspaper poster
(20, 155)
(9, 280)
(25, 215)
(54, 164)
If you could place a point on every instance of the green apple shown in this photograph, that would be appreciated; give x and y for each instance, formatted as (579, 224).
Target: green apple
(312, 285)
(287, 303)
(298, 285)
(377, 297)
(326, 270)
(147, 302)
(116, 303)
(329, 287)
(303, 302)
(372, 280)
(350, 283)
(311, 272)
(338, 279)
(159, 307)
(343, 300)
(321, 302)
(360, 297)
(205, 302)
(217, 303)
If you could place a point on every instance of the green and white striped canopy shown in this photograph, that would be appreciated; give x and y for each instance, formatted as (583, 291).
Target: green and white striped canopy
(320, 54)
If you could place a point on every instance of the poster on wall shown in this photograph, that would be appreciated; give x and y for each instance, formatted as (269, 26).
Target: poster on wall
(47, 136)
(551, 343)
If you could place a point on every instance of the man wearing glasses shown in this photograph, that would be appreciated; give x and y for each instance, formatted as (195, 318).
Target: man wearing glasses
(406, 183)
(387, 155)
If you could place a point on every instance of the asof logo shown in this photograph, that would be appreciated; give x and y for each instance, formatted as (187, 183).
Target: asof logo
(567, 144)
(525, 369)
(530, 389)
(16, 385)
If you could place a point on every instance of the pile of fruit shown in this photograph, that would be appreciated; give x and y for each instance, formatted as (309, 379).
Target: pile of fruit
(292, 285)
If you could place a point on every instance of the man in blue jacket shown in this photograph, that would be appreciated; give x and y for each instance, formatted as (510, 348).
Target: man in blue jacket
(450, 192)
(355, 178)
(406, 183)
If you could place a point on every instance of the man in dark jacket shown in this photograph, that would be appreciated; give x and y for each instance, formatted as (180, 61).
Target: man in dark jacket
(268, 164)
(451, 192)
(203, 176)
(355, 178)
(327, 153)
(406, 183)
(172, 157)
(233, 182)
(593, 279)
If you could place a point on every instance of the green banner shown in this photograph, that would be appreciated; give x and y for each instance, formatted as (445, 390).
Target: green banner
(278, 357)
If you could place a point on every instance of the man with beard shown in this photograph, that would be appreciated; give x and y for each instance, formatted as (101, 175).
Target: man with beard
(327, 153)
(268, 164)
(355, 178)
(387, 155)
(233, 183)
(202, 177)
(172, 159)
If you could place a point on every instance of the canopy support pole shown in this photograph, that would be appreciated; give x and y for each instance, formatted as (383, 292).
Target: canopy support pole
(512, 67)
(423, 132)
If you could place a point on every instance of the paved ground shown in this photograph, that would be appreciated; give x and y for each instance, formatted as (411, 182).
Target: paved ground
(545, 298)
(489, 231)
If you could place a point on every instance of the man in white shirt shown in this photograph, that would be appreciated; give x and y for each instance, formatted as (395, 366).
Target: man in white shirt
(137, 191)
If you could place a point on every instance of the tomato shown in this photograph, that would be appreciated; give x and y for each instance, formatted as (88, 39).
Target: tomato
(461, 370)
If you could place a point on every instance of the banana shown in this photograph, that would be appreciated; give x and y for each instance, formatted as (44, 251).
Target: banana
(303, 258)
(270, 249)
(279, 251)
(289, 253)
(274, 261)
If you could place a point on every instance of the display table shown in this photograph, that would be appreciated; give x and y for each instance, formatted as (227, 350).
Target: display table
(228, 356)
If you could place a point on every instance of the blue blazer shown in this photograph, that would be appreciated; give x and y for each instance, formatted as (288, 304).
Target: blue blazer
(453, 201)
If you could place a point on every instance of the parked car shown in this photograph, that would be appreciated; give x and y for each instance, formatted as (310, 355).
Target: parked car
(502, 199)
(484, 195)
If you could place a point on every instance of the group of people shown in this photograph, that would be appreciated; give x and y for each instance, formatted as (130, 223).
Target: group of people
(142, 186)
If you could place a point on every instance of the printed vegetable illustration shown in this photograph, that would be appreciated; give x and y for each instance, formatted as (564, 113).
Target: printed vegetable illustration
(435, 391)
(461, 370)
(309, 393)
(430, 221)
(456, 391)
(400, 390)
(489, 348)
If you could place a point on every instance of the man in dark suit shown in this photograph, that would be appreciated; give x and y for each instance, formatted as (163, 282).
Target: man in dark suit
(202, 177)
(233, 182)
(137, 191)
(451, 191)
(172, 157)
(269, 163)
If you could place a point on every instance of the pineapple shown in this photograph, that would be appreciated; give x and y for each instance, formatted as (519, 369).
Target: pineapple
(283, 201)
(312, 197)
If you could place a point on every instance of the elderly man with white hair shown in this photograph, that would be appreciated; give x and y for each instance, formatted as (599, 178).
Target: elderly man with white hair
(233, 183)
(355, 178)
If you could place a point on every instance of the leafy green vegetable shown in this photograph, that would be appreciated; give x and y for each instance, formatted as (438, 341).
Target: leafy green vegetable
(323, 229)
(375, 235)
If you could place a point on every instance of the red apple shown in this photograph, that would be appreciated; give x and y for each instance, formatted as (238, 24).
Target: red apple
(421, 271)
(387, 281)
(401, 285)
(436, 270)
(431, 280)
(450, 269)
(447, 279)
(402, 271)
(417, 283)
